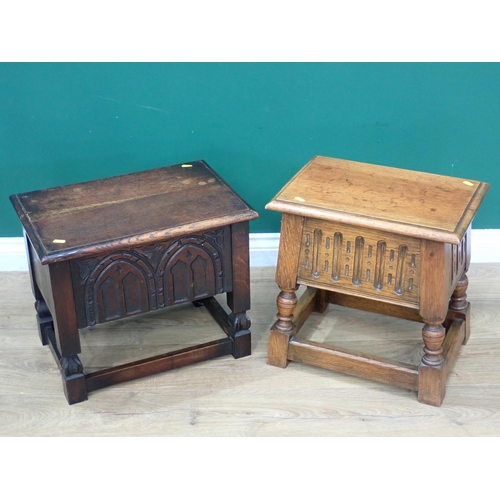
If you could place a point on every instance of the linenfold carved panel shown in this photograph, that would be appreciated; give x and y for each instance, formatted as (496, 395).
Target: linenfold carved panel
(365, 261)
(133, 281)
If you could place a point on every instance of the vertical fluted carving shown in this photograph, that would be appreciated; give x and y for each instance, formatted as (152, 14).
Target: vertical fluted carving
(318, 236)
(337, 256)
(400, 271)
(369, 263)
(358, 260)
(378, 282)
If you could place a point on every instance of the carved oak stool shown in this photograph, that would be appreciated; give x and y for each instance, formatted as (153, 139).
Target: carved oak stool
(381, 239)
(117, 247)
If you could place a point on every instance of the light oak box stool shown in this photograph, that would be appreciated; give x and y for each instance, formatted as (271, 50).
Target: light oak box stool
(381, 239)
(116, 247)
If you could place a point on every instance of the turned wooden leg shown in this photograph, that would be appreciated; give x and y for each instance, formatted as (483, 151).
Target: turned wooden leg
(433, 336)
(44, 320)
(286, 279)
(459, 304)
(434, 303)
(74, 385)
(282, 329)
(242, 337)
(431, 373)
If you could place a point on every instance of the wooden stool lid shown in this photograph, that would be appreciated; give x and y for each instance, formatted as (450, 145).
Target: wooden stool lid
(423, 205)
(144, 207)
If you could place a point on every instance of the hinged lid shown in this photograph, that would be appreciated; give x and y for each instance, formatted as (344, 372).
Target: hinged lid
(428, 206)
(144, 207)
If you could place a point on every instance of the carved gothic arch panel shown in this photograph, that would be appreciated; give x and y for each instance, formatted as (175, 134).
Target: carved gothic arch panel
(190, 274)
(191, 268)
(121, 285)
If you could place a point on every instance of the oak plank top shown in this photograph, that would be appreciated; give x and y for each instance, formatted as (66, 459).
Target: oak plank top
(144, 207)
(428, 206)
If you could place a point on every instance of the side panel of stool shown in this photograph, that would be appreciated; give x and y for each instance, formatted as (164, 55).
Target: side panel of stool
(458, 259)
(459, 306)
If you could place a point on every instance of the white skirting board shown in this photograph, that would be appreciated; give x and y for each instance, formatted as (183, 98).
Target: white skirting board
(263, 249)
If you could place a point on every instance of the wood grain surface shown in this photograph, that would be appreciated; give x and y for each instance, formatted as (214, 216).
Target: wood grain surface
(247, 397)
(400, 201)
(124, 211)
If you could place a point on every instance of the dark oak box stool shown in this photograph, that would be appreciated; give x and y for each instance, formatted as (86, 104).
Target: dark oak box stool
(381, 239)
(116, 247)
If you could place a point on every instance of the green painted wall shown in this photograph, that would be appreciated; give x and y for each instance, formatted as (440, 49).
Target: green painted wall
(256, 124)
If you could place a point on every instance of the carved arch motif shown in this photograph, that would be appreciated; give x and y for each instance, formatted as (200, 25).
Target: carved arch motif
(122, 284)
(192, 268)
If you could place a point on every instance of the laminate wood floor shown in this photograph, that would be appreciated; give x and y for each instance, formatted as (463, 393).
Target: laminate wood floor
(246, 397)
